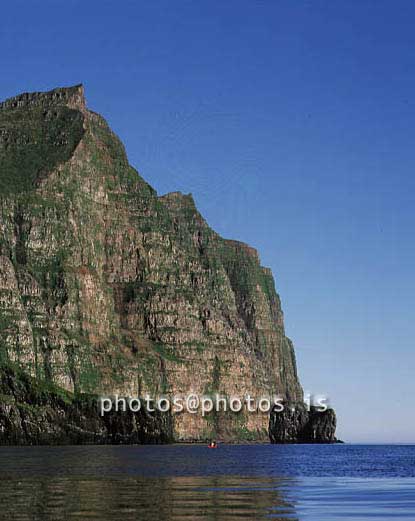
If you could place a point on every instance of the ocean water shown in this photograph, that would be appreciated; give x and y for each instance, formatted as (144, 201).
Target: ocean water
(192, 482)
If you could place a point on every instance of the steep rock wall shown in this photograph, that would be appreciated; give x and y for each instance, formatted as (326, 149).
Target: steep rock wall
(298, 424)
(34, 412)
(107, 288)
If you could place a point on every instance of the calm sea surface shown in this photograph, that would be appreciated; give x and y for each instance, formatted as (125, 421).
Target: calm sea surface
(185, 482)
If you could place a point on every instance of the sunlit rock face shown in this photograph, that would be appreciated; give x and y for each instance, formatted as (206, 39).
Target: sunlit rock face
(105, 287)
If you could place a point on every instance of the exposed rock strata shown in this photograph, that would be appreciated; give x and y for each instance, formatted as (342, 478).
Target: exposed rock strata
(105, 287)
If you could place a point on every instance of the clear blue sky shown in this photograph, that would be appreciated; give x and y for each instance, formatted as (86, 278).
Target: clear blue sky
(293, 125)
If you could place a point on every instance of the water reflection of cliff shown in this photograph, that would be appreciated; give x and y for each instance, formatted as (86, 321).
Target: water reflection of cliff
(165, 498)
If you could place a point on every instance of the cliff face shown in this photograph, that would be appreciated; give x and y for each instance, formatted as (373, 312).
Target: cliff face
(107, 288)
(35, 412)
(297, 424)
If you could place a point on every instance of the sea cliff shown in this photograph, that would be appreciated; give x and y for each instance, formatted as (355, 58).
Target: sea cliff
(108, 288)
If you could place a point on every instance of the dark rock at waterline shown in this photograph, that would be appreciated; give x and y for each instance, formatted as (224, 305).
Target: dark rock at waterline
(297, 424)
(33, 412)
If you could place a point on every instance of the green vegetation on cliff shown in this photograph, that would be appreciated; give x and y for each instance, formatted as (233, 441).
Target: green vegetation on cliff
(33, 142)
(107, 288)
(35, 412)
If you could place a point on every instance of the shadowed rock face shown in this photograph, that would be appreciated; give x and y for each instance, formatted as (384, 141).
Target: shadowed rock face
(107, 288)
(36, 412)
(295, 424)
